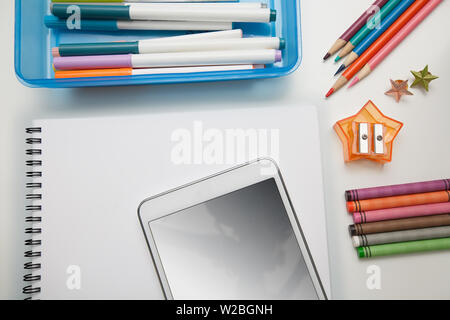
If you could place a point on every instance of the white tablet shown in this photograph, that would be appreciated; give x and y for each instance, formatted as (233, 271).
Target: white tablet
(230, 236)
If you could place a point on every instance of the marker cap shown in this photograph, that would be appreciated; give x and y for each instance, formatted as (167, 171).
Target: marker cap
(273, 15)
(282, 44)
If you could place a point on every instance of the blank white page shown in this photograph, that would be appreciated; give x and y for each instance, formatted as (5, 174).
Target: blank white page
(97, 171)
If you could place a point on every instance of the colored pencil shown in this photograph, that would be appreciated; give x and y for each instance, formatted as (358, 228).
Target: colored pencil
(367, 28)
(402, 212)
(377, 45)
(137, 12)
(399, 224)
(398, 201)
(397, 190)
(116, 25)
(393, 17)
(177, 59)
(354, 28)
(395, 41)
(401, 236)
(135, 72)
(187, 45)
(404, 248)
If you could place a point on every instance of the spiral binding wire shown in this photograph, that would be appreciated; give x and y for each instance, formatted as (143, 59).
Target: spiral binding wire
(30, 278)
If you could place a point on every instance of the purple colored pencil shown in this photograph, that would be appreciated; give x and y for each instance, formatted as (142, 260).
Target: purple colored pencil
(355, 27)
(397, 190)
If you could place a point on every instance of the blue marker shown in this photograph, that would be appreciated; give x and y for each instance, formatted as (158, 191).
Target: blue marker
(74, 24)
(139, 12)
(376, 33)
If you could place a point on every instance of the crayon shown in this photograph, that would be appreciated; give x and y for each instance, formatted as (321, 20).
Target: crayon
(398, 201)
(367, 28)
(139, 47)
(134, 72)
(396, 20)
(404, 248)
(52, 22)
(401, 236)
(395, 41)
(401, 213)
(397, 190)
(137, 12)
(174, 59)
(355, 27)
(399, 224)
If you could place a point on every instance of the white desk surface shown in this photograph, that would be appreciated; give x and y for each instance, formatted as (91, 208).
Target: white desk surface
(421, 151)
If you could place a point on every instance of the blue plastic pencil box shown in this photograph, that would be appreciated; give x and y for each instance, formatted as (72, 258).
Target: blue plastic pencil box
(34, 41)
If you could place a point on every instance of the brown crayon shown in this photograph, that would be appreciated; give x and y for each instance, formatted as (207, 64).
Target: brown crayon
(399, 224)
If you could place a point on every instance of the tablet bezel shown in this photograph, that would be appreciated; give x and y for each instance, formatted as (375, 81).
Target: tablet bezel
(212, 187)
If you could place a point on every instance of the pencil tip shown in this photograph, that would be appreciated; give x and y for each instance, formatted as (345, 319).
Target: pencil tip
(337, 59)
(327, 56)
(355, 81)
(341, 68)
(329, 93)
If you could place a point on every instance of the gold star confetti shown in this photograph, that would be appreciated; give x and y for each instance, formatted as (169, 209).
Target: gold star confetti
(399, 89)
(423, 78)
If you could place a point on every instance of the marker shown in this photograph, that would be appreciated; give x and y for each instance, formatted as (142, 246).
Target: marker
(137, 12)
(401, 213)
(116, 25)
(398, 201)
(397, 190)
(383, 26)
(354, 28)
(395, 41)
(177, 59)
(399, 224)
(141, 1)
(186, 45)
(401, 236)
(367, 28)
(124, 47)
(170, 5)
(378, 44)
(404, 247)
(149, 71)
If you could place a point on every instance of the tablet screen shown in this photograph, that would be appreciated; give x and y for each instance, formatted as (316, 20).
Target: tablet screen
(237, 246)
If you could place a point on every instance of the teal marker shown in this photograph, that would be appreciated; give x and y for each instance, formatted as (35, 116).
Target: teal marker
(138, 12)
(368, 27)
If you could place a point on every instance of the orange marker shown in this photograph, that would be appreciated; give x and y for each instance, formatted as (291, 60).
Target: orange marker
(377, 45)
(398, 201)
(131, 72)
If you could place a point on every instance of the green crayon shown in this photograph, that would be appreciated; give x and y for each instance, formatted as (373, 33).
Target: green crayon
(404, 247)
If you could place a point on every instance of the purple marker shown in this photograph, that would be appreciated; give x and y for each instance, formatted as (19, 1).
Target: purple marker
(397, 190)
(176, 59)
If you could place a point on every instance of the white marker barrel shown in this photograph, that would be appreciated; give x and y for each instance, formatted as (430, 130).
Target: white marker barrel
(202, 14)
(169, 6)
(174, 25)
(227, 34)
(186, 45)
(205, 58)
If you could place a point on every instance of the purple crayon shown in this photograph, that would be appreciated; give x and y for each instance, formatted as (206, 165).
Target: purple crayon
(397, 190)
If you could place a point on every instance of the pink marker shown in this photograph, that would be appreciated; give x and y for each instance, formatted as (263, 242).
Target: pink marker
(173, 59)
(402, 212)
(395, 41)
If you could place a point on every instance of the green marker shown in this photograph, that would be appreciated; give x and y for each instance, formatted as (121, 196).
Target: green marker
(404, 247)
(367, 28)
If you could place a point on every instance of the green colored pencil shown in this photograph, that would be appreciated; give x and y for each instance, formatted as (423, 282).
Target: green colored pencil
(404, 247)
(367, 28)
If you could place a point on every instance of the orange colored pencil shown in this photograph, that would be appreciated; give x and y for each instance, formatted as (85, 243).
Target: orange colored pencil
(398, 201)
(353, 69)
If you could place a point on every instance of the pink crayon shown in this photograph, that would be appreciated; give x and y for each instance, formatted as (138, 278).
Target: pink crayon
(402, 212)
(395, 41)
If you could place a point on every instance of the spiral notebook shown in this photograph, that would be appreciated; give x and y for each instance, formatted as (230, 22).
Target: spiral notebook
(87, 178)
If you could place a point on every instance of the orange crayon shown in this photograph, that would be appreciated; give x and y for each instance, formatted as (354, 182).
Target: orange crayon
(398, 201)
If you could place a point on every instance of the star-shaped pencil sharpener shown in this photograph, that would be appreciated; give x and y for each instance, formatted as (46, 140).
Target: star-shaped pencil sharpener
(368, 135)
